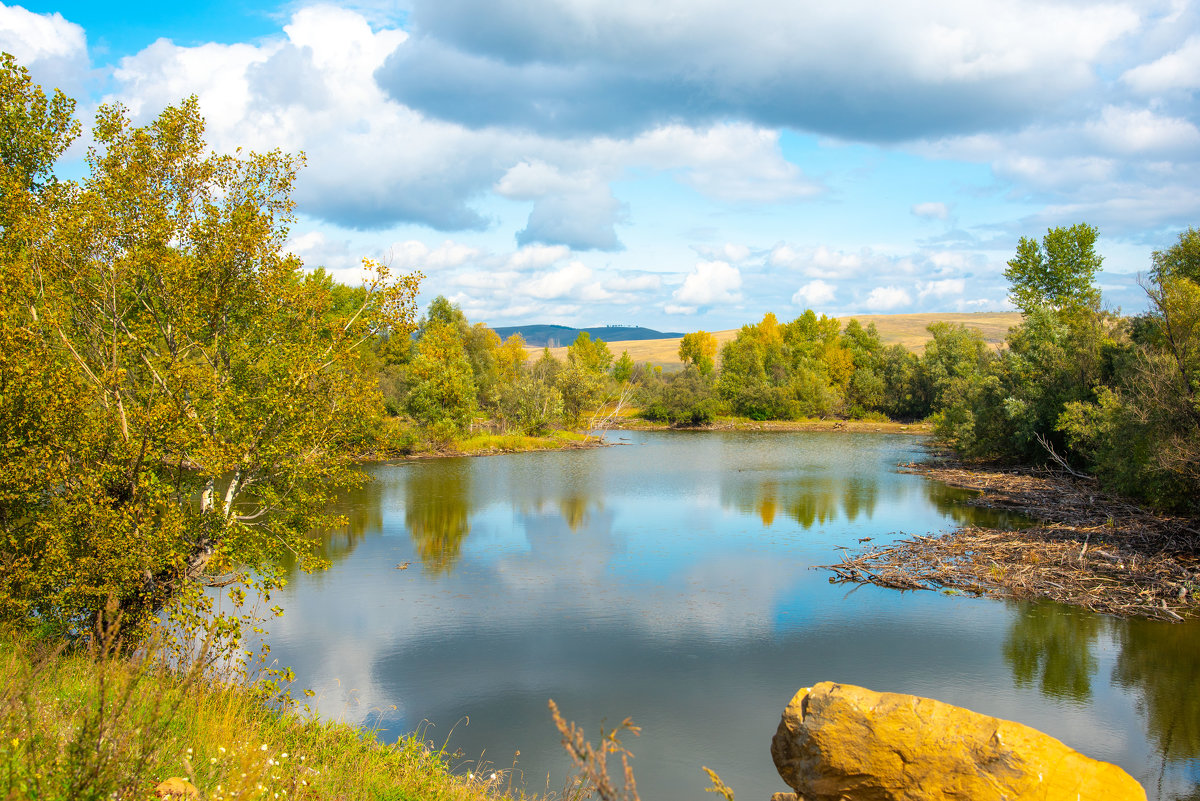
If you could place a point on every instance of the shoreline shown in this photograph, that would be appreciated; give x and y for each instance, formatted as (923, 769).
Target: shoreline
(847, 426)
(1089, 548)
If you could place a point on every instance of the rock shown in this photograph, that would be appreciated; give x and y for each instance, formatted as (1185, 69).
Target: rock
(838, 742)
(176, 787)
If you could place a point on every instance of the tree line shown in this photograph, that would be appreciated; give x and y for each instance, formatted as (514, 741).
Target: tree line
(1114, 397)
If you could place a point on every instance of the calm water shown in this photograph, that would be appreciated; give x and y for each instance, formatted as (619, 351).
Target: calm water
(670, 579)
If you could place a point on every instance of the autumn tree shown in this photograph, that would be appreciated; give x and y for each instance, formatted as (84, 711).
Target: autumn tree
(699, 348)
(177, 398)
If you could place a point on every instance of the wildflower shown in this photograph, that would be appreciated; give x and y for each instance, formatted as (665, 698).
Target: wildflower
(262, 747)
(284, 755)
(212, 760)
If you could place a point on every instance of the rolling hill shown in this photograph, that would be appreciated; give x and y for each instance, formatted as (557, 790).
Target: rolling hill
(561, 335)
(908, 330)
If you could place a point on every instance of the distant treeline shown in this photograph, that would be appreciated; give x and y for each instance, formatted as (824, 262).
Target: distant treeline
(1116, 397)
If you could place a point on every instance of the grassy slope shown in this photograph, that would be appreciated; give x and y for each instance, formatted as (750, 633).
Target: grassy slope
(904, 329)
(59, 741)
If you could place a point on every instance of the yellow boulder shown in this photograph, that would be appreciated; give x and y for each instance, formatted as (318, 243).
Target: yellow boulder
(175, 787)
(838, 742)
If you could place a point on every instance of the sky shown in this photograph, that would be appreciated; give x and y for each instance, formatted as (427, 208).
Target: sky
(681, 164)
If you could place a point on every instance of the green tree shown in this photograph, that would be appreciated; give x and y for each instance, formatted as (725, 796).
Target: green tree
(700, 349)
(1058, 272)
(1181, 260)
(590, 354)
(623, 368)
(191, 394)
(442, 385)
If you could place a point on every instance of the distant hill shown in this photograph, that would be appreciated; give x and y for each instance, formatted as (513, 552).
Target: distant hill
(908, 330)
(537, 336)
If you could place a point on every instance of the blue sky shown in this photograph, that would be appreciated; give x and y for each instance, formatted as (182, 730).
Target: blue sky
(683, 164)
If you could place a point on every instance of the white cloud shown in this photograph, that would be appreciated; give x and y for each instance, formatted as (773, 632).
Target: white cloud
(573, 279)
(932, 211)
(413, 254)
(886, 298)
(531, 178)
(819, 262)
(51, 48)
(1177, 70)
(537, 256)
(813, 294)
(1129, 130)
(711, 282)
(947, 287)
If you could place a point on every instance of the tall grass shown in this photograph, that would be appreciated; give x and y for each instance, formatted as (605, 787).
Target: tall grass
(102, 724)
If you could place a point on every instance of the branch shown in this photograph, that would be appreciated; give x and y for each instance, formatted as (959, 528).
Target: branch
(1060, 461)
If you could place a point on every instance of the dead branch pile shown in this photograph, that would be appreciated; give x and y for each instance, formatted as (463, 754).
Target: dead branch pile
(1090, 549)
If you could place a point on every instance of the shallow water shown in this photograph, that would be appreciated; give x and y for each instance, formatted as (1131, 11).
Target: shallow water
(670, 579)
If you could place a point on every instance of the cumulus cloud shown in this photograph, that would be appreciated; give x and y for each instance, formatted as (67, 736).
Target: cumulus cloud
(53, 49)
(537, 256)
(887, 298)
(945, 288)
(585, 219)
(709, 283)
(413, 254)
(574, 279)
(819, 262)
(1177, 70)
(597, 67)
(813, 294)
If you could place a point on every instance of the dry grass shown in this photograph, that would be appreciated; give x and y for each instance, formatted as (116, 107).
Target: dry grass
(1091, 549)
(903, 329)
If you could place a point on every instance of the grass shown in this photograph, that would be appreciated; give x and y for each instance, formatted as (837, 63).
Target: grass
(478, 444)
(101, 725)
(904, 329)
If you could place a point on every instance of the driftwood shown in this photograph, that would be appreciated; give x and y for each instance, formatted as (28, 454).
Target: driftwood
(1089, 549)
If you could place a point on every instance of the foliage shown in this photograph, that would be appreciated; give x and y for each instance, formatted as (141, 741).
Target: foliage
(699, 349)
(1120, 399)
(442, 383)
(92, 725)
(688, 398)
(1058, 272)
(177, 398)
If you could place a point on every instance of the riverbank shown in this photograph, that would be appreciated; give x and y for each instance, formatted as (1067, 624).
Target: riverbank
(744, 424)
(1090, 549)
(98, 726)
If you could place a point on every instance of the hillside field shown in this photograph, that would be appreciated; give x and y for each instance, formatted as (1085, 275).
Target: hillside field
(905, 329)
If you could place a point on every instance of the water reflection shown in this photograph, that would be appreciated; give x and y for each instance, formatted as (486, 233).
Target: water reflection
(1160, 662)
(1051, 648)
(437, 511)
(671, 580)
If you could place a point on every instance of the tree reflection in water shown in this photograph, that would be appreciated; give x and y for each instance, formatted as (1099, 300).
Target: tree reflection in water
(1051, 646)
(437, 511)
(1160, 662)
(362, 509)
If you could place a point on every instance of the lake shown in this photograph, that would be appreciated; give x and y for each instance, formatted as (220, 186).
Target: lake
(670, 578)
